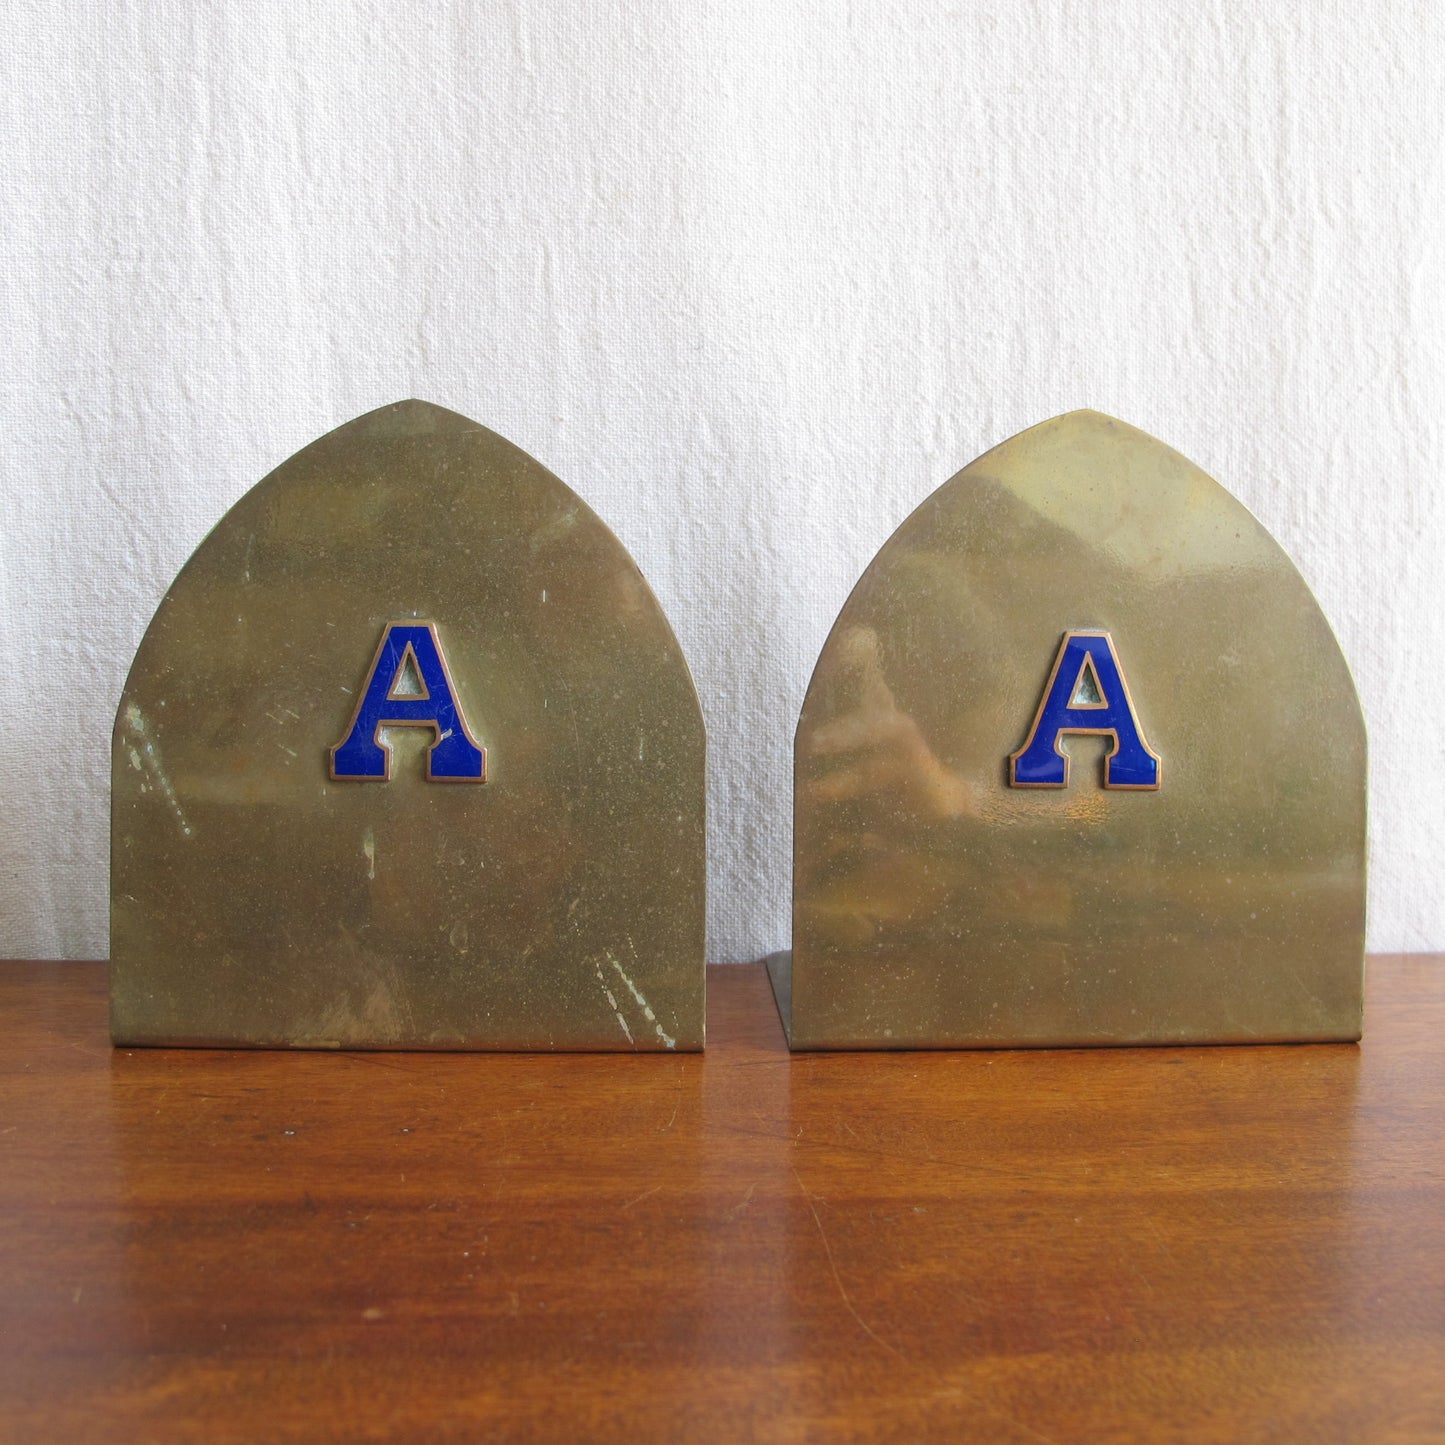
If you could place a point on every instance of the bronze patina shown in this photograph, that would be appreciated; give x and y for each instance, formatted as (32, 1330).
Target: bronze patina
(1079, 593)
(411, 601)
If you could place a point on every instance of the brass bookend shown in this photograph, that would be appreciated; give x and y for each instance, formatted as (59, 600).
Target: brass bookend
(1081, 594)
(409, 758)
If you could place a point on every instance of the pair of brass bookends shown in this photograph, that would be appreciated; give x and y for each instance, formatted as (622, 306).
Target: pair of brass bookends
(410, 758)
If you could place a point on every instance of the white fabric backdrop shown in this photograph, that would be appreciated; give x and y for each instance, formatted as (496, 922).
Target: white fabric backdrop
(752, 278)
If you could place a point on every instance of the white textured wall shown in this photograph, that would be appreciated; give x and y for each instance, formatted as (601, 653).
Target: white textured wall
(751, 277)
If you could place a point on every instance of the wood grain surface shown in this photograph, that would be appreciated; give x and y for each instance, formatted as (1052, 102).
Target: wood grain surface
(1200, 1244)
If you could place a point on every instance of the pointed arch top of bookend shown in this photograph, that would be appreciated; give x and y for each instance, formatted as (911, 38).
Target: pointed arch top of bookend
(1081, 763)
(409, 757)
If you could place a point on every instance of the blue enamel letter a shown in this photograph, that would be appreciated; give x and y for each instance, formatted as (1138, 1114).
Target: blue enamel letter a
(1086, 693)
(410, 652)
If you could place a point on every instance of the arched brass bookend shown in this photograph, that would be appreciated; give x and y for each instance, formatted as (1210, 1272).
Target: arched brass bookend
(1081, 763)
(409, 758)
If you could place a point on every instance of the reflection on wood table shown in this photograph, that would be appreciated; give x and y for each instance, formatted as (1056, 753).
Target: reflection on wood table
(1214, 1243)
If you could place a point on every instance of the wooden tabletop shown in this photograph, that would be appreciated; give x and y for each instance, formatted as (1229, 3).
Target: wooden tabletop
(1205, 1244)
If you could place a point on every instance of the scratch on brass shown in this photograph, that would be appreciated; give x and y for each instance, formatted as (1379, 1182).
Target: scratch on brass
(153, 764)
(612, 1004)
(642, 1003)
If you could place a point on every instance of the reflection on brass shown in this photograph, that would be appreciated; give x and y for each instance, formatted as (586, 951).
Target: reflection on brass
(409, 601)
(1214, 895)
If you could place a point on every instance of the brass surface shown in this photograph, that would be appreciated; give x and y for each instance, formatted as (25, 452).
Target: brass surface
(935, 905)
(558, 904)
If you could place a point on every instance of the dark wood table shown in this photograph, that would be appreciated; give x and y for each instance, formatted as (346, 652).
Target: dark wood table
(1205, 1244)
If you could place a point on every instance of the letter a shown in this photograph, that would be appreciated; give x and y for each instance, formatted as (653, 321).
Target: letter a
(409, 649)
(1086, 693)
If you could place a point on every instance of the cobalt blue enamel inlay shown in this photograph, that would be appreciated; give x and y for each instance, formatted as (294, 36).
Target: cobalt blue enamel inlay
(1085, 693)
(410, 652)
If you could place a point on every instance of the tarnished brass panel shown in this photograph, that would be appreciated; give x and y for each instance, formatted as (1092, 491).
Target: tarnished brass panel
(409, 758)
(956, 883)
